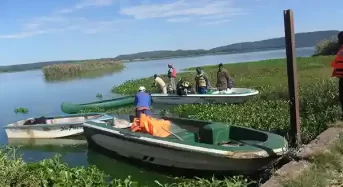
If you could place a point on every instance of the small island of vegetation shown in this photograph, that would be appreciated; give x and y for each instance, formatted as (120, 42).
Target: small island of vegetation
(89, 68)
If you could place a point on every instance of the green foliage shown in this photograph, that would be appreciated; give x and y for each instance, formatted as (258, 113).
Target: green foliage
(268, 111)
(327, 47)
(78, 69)
(99, 95)
(54, 173)
(21, 110)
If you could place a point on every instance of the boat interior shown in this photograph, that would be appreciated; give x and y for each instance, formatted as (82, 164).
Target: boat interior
(194, 131)
(57, 120)
(215, 134)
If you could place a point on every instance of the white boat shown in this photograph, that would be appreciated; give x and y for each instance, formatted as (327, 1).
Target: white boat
(230, 96)
(52, 126)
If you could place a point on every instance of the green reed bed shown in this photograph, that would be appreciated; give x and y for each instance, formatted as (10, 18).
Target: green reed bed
(268, 111)
(51, 172)
(81, 68)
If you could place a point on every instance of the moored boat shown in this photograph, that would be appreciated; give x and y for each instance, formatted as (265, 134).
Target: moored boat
(193, 145)
(230, 96)
(52, 126)
(71, 108)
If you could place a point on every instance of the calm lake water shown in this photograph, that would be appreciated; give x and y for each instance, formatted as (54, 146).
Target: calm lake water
(30, 90)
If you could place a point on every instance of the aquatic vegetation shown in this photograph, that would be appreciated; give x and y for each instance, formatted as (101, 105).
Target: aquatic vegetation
(70, 70)
(99, 95)
(327, 47)
(269, 111)
(21, 110)
(53, 172)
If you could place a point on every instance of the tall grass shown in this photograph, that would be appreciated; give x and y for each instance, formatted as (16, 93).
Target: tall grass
(78, 69)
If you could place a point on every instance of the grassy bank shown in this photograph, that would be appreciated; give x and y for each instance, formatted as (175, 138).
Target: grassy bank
(90, 68)
(326, 169)
(268, 111)
(53, 172)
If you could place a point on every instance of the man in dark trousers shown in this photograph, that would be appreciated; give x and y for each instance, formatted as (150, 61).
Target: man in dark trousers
(337, 65)
(224, 80)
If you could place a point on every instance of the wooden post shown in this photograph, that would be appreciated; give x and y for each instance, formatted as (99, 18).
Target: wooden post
(295, 132)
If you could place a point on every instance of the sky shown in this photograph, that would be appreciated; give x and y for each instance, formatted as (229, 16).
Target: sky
(46, 30)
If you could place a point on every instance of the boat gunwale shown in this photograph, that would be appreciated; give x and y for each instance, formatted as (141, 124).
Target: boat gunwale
(255, 92)
(99, 102)
(103, 116)
(179, 145)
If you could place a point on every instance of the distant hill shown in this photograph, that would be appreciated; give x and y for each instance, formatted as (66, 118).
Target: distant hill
(307, 39)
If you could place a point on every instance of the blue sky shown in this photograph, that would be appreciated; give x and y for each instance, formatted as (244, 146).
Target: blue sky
(44, 30)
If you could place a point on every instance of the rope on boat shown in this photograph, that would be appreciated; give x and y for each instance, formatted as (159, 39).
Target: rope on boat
(173, 134)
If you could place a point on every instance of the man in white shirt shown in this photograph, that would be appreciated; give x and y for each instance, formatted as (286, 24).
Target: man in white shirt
(160, 84)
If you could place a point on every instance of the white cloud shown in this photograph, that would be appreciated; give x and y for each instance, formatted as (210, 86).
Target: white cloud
(85, 4)
(44, 25)
(179, 19)
(60, 22)
(184, 10)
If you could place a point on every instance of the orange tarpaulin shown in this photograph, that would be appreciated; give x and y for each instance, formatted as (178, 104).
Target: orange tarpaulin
(155, 127)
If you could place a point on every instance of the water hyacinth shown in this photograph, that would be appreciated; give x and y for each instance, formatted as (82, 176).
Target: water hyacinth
(269, 111)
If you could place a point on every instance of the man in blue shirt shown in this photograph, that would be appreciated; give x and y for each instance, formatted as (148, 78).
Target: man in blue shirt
(142, 102)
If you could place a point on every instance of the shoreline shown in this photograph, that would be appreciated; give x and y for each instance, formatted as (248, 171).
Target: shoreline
(127, 61)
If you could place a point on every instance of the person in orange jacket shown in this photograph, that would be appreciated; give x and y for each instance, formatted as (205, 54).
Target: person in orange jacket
(337, 65)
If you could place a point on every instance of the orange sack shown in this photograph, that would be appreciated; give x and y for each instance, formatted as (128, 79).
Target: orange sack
(155, 127)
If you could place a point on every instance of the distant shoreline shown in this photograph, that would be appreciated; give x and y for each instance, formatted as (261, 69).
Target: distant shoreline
(21, 67)
(209, 54)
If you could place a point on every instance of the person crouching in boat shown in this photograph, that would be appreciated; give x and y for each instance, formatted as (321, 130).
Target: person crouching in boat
(183, 87)
(201, 81)
(224, 80)
(142, 102)
(160, 84)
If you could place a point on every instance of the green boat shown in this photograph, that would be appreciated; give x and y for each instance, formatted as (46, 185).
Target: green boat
(193, 145)
(71, 108)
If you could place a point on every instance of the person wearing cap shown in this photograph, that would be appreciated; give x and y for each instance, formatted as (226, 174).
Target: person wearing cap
(172, 77)
(201, 81)
(223, 78)
(142, 102)
(160, 84)
(337, 65)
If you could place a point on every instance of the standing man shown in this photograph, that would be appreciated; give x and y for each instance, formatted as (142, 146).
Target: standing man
(223, 79)
(337, 65)
(160, 84)
(201, 81)
(172, 77)
(142, 102)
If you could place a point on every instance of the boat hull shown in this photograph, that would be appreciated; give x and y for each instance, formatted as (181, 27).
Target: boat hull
(45, 131)
(70, 108)
(155, 154)
(173, 99)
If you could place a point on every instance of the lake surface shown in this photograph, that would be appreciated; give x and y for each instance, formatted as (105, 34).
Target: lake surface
(30, 90)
